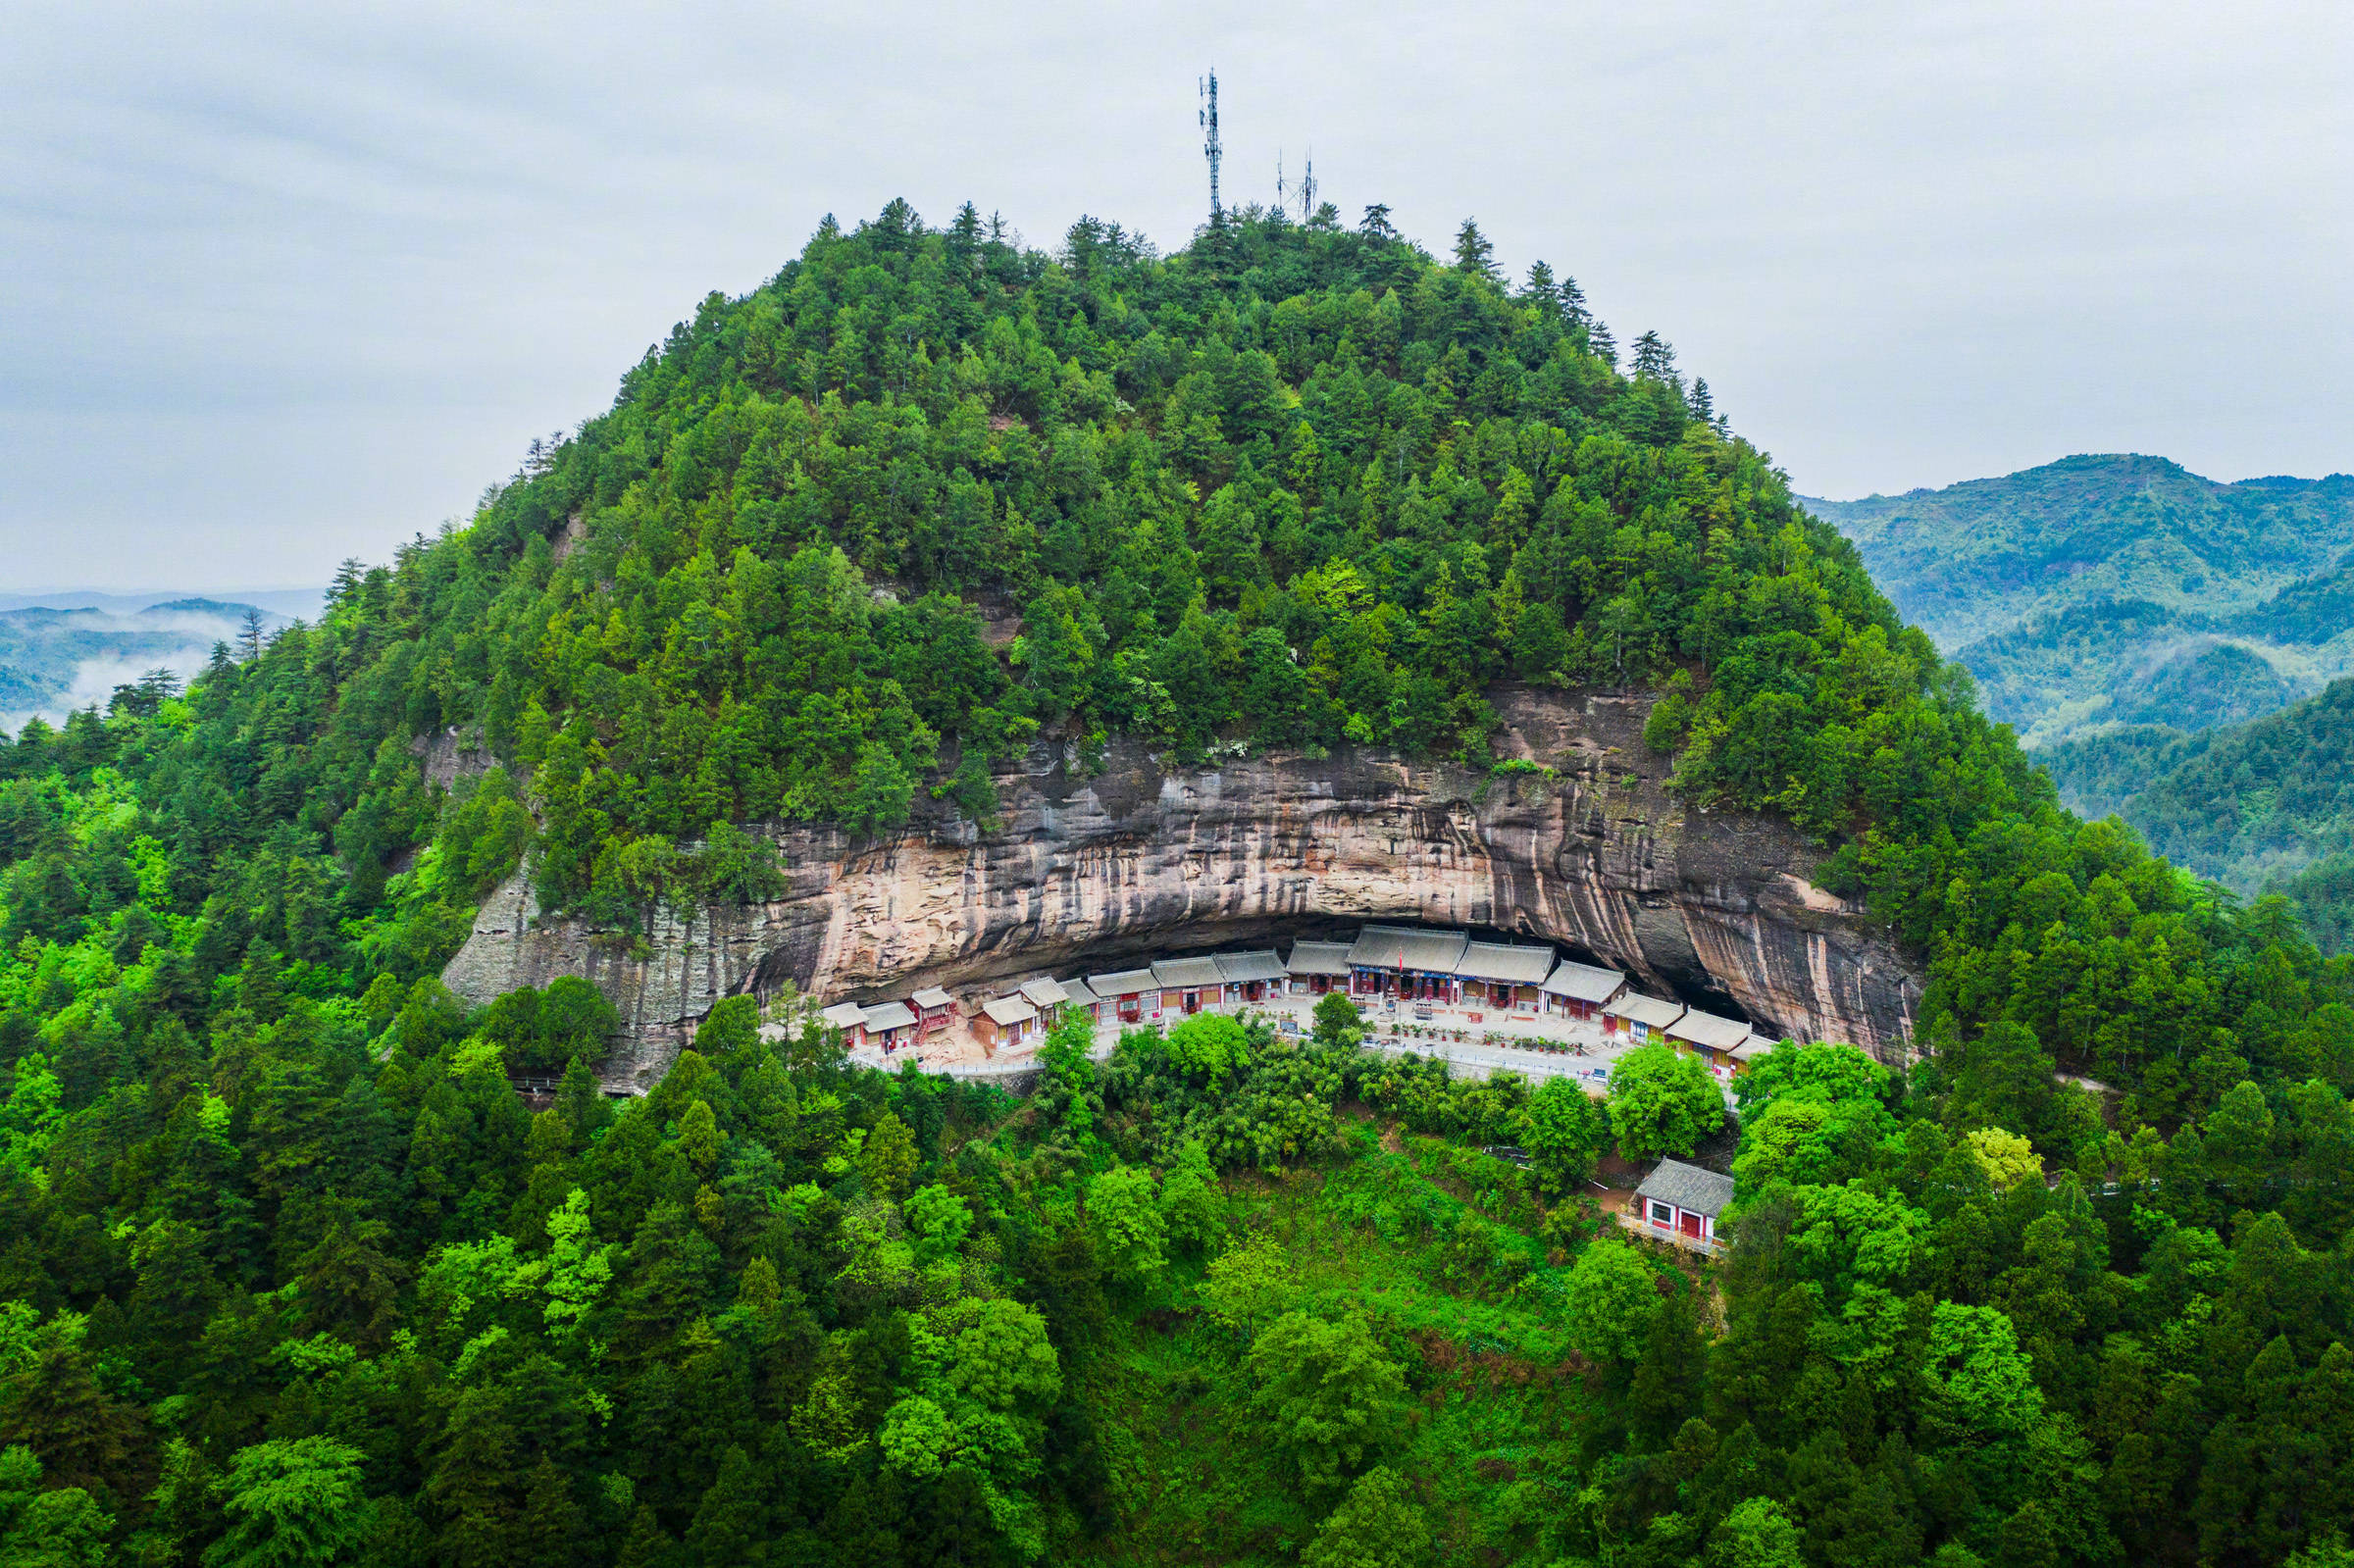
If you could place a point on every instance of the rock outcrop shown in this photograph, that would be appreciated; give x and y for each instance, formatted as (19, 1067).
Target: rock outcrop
(1583, 846)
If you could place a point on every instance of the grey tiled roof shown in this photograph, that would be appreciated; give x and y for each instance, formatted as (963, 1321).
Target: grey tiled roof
(1044, 992)
(1008, 1011)
(1707, 1029)
(1122, 983)
(844, 1015)
(1264, 965)
(1687, 1186)
(891, 1015)
(1584, 983)
(1078, 992)
(1408, 948)
(1319, 958)
(1644, 1010)
(1186, 973)
(1515, 966)
(932, 997)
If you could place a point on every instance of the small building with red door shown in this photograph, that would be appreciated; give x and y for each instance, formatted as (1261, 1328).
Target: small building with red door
(1581, 991)
(935, 1009)
(1189, 985)
(848, 1019)
(1679, 1202)
(1316, 967)
(1006, 1021)
(891, 1025)
(1130, 995)
(1251, 976)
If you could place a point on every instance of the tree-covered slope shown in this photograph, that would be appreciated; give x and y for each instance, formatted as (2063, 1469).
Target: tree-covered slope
(2069, 589)
(294, 1275)
(2263, 805)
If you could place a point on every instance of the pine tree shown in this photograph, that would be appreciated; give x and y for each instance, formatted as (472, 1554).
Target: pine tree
(53, 1404)
(730, 1523)
(647, 1545)
(1474, 254)
(549, 1534)
(1600, 341)
(1654, 358)
(1573, 303)
(1542, 291)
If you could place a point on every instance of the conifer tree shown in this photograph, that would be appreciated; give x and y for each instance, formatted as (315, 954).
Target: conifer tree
(1474, 253)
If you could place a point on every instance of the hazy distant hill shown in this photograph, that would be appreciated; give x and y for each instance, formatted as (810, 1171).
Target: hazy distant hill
(67, 652)
(2107, 589)
(2262, 806)
(293, 604)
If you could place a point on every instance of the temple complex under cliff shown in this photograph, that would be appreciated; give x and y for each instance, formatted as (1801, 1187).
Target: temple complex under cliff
(1420, 969)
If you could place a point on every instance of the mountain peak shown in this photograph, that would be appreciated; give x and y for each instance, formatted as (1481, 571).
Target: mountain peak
(2021, 577)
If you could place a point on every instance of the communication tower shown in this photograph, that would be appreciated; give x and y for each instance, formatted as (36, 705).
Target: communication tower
(1207, 118)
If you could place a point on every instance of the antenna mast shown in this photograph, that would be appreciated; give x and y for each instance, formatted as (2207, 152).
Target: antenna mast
(1307, 187)
(1279, 190)
(1208, 117)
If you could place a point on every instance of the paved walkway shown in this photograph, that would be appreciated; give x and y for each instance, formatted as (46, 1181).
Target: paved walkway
(1536, 1047)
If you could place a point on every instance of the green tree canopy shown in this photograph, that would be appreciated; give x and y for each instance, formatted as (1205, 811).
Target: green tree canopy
(1610, 1299)
(1324, 1395)
(1662, 1102)
(293, 1503)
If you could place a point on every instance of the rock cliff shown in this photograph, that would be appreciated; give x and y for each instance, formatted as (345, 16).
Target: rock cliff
(1584, 847)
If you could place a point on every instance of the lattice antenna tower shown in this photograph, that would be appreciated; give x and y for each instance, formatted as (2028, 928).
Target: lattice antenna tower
(1307, 188)
(1207, 118)
(1279, 188)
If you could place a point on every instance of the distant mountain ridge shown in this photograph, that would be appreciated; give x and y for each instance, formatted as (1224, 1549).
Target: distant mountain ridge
(2116, 588)
(56, 657)
(291, 604)
(2263, 806)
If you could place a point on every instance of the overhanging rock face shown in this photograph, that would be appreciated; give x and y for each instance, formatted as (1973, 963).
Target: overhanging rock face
(1145, 858)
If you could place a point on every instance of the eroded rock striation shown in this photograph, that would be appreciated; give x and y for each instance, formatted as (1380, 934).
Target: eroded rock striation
(1585, 848)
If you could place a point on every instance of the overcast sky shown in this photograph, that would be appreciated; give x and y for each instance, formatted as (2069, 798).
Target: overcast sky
(285, 282)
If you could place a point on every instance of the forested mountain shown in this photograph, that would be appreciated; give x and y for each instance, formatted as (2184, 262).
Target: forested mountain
(58, 657)
(2107, 589)
(295, 1275)
(2267, 805)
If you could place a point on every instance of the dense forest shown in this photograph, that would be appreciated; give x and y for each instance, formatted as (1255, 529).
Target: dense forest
(297, 1276)
(2264, 806)
(2114, 589)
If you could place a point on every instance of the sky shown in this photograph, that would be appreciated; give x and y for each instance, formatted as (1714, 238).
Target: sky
(286, 282)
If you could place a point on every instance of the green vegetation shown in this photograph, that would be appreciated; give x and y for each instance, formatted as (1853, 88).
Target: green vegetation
(296, 1274)
(1663, 1101)
(2079, 671)
(2114, 589)
(2267, 806)
(52, 660)
(859, 538)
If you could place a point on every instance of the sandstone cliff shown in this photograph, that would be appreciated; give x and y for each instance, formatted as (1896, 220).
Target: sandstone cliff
(1146, 859)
